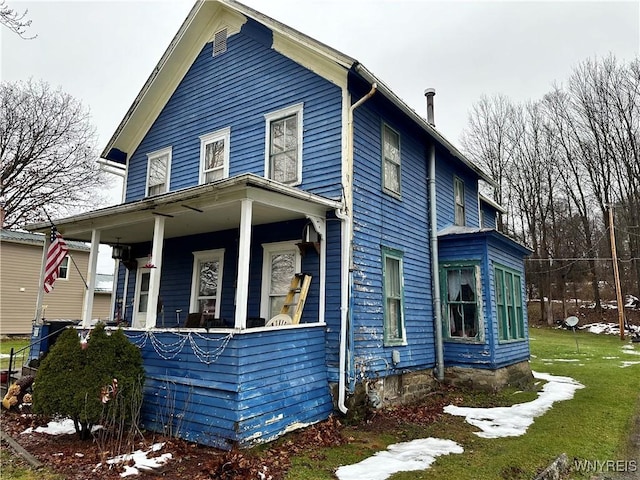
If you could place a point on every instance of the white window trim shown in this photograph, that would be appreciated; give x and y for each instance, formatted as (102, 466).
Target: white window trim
(68, 259)
(225, 135)
(150, 157)
(267, 250)
(277, 115)
(198, 256)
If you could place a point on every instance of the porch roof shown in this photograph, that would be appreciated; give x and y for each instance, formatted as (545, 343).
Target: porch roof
(203, 208)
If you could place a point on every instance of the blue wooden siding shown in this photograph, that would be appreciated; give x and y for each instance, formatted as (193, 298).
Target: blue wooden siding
(236, 89)
(448, 167)
(177, 271)
(383, 220)
(487, 248)
(261, 384)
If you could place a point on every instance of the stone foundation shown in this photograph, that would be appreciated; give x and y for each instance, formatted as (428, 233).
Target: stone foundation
(414, 387)
(518, 375)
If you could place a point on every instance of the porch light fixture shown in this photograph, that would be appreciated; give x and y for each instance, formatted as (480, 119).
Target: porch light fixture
(310, 239)
(120, 252)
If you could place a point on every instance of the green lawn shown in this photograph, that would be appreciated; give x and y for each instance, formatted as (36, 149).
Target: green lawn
(594, 425)
(7, 345)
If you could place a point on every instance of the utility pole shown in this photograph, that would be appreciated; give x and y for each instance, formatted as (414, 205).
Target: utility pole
(616, 273)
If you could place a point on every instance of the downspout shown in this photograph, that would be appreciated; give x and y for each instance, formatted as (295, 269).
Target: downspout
(346, 216)
(435, 264)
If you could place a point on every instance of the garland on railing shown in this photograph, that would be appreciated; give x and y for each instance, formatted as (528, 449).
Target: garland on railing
(169, 351)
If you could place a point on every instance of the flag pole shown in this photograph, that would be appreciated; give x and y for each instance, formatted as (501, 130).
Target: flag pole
(53, 225)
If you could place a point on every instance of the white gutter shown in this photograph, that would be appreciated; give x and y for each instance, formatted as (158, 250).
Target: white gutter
(435, 264)
(346, 255)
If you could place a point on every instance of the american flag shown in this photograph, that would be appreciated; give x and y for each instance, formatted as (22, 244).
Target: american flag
(55, 255)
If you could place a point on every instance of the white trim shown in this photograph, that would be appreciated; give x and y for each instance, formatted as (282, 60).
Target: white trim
(268, 250)
(224, 135)
(66, 277)
(203, 255)
(87, 304)
(297, 110)
(244, 254)
(152, 156)
(136, 321)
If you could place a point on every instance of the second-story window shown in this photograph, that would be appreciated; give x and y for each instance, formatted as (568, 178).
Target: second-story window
(458, 196)
(283, 162)
(391, 160)
(214, 156)
(158, 168)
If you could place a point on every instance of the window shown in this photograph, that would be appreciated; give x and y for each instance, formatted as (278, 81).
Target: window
(458, 195)
(220, 42)
(281, 262)
(462, 301)
(214, 156)
(283, 149)
(206, 283)
(391, 160)
(63, 269)
(393, 293)
(509, 304)
(158, 168)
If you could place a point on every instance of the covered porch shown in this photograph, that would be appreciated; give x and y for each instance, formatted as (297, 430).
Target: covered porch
(219, 254)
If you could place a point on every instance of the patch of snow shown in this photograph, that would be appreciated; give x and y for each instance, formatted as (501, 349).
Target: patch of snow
(140, 461)
(570, 360)
(61, 427)
(610, 358)
(399, 457)
(628, 364)
(5, 355)
(514, 421)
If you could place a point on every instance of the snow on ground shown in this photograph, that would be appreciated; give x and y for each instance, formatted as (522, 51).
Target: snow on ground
(607, 328)
(62, 427)
(513, 421)
(399, 457)
(140, 461)
(139, 457)
(628, 364)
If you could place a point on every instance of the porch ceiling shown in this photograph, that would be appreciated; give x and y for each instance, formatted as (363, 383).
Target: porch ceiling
(205, 208)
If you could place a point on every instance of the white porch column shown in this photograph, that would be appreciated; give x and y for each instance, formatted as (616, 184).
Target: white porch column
(154, 277)
(87, 305)
(244, 250)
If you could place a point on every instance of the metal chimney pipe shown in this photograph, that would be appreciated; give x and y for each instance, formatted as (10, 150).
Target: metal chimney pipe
(430, 93)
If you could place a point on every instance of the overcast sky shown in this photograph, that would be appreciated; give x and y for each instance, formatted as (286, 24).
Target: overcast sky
(103, 52)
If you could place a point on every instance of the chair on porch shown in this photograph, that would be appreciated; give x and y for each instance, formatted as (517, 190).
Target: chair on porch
(279, 320)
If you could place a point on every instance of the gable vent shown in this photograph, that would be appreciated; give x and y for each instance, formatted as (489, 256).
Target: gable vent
(220, 42)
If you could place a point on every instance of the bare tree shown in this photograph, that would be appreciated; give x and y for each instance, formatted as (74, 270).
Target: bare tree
(487, 141)
(48, 155)
(13, 20)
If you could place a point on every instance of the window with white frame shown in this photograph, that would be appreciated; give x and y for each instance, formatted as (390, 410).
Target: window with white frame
(462, 300)
(63, 269)
(394, 333)
(281, 261)
(206, 283)
(391, 160)
(283, 162)
(158, 171)
(214, 156)
(458, 196)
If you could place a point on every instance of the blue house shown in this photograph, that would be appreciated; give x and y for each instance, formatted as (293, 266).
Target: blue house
(254, 153)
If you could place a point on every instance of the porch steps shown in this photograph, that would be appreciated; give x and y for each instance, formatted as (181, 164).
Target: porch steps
(299, 286)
